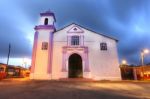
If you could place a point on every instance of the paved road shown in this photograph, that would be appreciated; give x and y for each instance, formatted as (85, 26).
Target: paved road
(27, 89)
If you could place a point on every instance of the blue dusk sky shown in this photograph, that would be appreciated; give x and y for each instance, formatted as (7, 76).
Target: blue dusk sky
(126, 20)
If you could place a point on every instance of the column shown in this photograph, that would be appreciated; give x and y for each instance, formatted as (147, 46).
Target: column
(64, 60)
(50, 53)
(86, 59)
(34, 52)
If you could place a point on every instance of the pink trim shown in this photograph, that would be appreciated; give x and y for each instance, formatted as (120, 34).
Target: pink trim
(50, 53)
(66, 47)
(48, 13)
(80, 41)
(67, 41)
(45, 27)
(84, 55)
(64, 62)
(75, 52)
(83, 40)
(34, 52)
(86, 69)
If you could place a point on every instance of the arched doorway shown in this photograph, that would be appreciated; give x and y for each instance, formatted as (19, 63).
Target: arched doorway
(75, 66)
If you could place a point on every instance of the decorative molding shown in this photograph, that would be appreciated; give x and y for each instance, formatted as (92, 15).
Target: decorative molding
(88, 30)
(64, 63)
(86, 50)
(47, 27)
(48, 13)
(82, 51)
(87, 68)
(81, 41)
(34, 52)
(50, 54)
(67, 40)
(75, 29)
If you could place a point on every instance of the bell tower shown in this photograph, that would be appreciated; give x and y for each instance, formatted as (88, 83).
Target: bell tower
(41, 67)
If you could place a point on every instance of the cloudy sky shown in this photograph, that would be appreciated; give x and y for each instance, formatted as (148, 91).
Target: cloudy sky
(127, 20)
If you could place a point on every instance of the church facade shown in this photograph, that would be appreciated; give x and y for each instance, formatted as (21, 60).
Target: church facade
(72, 52)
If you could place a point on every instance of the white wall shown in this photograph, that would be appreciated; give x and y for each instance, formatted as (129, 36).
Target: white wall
(41, 59)
(50, 20)
(59, 40)
(103, 64)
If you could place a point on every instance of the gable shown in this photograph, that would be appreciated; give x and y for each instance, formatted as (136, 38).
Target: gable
(75, 29)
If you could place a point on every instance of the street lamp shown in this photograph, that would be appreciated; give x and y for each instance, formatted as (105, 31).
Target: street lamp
(143, 52)
(124, 62)
(25, 61)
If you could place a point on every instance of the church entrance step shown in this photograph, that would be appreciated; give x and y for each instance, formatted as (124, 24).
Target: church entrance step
(75, 79)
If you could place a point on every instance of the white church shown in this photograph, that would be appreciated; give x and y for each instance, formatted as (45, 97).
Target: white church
(72, 52)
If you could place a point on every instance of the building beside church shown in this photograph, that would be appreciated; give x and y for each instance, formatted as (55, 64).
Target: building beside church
(72, 52)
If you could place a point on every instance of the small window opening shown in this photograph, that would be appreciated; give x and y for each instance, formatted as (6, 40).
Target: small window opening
(46, 21)
(44, 45)
(103, 46)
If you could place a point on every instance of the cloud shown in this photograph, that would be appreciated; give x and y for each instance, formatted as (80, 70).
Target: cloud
(127, 20)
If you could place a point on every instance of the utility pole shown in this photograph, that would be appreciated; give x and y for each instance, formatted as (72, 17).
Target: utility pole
(142, 58)
(8, 54)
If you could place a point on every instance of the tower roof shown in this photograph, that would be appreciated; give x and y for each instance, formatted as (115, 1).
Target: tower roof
(48, 13)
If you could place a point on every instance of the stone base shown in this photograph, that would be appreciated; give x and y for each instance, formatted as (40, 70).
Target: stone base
(86, 75)
(107, 78)
(64, 75)
(40, 76)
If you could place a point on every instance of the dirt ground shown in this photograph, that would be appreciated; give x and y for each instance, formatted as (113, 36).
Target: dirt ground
(72, 89)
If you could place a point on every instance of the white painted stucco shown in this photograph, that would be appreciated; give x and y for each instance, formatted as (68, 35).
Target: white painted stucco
(41, 56)
(50, 20)
(102, 65)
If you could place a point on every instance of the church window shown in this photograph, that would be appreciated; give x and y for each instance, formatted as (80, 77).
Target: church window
(103, 46)
(46, 21)
(44, 45)
(75, 40)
